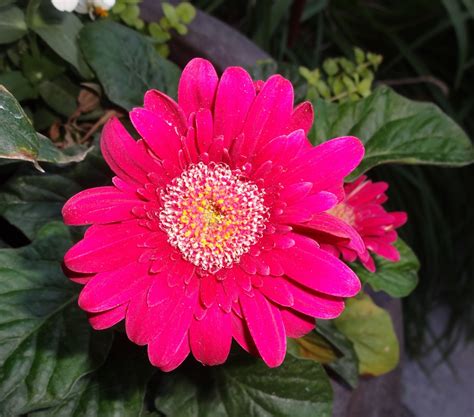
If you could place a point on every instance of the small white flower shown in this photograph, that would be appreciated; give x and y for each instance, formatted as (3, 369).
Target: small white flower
(65, 5)
(104, 4)
(83, 6)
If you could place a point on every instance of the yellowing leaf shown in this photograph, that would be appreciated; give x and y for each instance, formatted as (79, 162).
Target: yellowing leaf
(314, 347)
(370, 329)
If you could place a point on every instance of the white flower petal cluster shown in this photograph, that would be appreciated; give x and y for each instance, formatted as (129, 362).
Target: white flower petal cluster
(82, 6)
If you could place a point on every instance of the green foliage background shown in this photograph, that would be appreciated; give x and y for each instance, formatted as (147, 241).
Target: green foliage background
(53, 364)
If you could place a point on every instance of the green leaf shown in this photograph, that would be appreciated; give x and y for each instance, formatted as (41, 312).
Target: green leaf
(60, 95)
(12, 24)
(116, 389)
(126, 63)
(47, 344)
(397, 279)
(29, 201)
(246, 387)
(18, 85)
(60, 31)
(330, 347)
(170, 13)
(49, 153)
(359, 55)
(330, 66)
(18, 139)
(39, 68)
(395, 129)
(158, 33)
(186, 12)
(346, 366)
(370, 329)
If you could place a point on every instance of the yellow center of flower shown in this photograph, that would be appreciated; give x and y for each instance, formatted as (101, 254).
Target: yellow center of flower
(344, 212)
(99, 11)
(213, 215)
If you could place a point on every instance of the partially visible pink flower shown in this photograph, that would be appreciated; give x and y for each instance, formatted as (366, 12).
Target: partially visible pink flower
(205, 234)
(363, 210)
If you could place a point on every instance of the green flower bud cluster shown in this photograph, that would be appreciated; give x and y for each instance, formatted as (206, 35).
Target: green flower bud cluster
(128, 12)
(341, 79)
(175, 18)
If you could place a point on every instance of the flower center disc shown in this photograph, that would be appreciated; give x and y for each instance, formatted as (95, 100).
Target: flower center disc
(212, 215)
(344, 212)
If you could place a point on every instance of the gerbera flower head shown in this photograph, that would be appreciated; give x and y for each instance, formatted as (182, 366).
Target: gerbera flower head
(200, 239)
(362, 208)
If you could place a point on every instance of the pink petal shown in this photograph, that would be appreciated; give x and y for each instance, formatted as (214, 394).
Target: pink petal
(332, 225)
(302, 211)
(269, 114)
(297, 324)
(144, 322)
(76, 277)
(204, 129)
(294, 192)
(272, 261)
(266, 327)
(241, 334)
(108, 290)
(197, 86)
(208, 289)
(276, 290)
(320, 271)
(369, 264)
(162, 137)
(166, 109)
(315, 304)
(367, 192)
(109, 318)
(107, 247)
(159, 291)
(399, 218)
(211, 337)
(328, 164)
(283, 150)
(178, 358)
(235, 95)
(301, 118)
(123, 154)
(99, 205)
(165, 345)
(383, 249)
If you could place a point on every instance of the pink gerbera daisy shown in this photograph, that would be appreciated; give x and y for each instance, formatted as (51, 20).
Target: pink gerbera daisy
(362, 209)
(199, 240)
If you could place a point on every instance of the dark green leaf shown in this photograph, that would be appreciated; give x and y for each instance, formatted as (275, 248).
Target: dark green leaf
(18, 139)
(395, 129)
(60, 95)
(49, 153)
(47, 344)
(370, 329)
(397, 279)
(18, 85)
(246, 387)
(347, 365)
(115, 390)
(30, 201)
(126, 63)
(39, 68)
(12, 24)
(59, 30)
